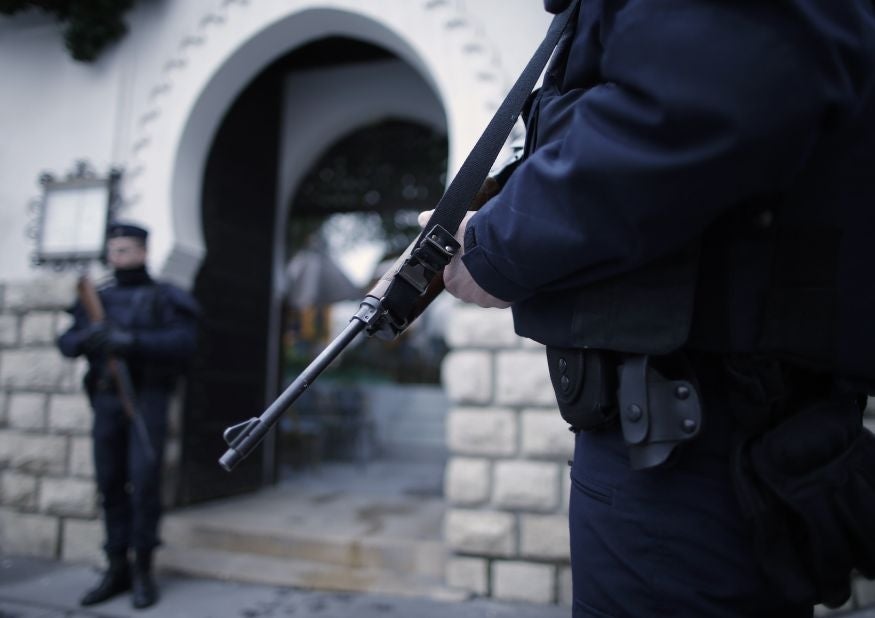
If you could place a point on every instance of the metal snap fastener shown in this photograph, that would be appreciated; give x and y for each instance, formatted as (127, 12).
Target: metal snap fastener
(634, 413)
(565, 382)
(682, 392)
(563, 365)
(688, 425)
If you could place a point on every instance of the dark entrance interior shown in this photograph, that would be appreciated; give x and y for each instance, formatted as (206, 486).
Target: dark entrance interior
(365, 190)
(227, 383)
(229, 378)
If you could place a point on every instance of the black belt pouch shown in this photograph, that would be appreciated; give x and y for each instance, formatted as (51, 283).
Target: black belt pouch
(585, 384)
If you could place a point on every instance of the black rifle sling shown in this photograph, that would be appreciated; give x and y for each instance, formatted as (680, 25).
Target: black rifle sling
(454, 203)
(435, 246)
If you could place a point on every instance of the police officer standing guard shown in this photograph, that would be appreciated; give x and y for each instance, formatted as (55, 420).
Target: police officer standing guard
(151, 327)
(689, 234)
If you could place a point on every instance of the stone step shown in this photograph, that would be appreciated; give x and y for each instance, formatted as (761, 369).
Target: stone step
(376, 528)
(421, 558)
(278, 571)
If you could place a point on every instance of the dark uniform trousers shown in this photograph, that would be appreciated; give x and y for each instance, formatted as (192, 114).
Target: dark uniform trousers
(128, 481)
(671, 540)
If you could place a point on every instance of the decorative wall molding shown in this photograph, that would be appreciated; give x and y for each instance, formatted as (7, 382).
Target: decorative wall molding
(446, 38)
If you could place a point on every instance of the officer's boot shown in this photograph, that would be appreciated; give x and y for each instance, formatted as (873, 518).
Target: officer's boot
(116, 579)
(145, 591)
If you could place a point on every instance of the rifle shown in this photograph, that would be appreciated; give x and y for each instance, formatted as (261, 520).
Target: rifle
(416, 278)
(400, 296)
(118, 368)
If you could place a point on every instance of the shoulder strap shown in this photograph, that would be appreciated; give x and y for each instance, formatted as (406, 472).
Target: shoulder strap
(454, 203)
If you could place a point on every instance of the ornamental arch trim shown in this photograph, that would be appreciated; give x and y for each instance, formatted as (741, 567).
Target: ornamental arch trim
(233, 42)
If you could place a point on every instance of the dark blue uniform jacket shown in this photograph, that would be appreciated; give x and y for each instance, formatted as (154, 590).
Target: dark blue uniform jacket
(666, 122)
(163, 320)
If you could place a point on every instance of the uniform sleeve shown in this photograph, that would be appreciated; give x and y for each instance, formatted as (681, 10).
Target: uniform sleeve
(71, 341)
(175, 338)
(701, 106)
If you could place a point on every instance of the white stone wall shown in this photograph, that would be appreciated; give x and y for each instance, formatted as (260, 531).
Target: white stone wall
(48, 498)
(506, 480)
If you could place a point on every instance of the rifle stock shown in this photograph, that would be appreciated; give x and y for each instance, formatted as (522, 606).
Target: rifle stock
(90, 300)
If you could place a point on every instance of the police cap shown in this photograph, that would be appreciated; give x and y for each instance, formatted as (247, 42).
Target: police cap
(119, 229)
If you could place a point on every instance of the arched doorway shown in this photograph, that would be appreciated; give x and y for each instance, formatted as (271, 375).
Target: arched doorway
(230, 45)
(274, 132)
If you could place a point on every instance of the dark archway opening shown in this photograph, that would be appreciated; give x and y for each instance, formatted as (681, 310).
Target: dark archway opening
(230, 376)
(233, 286)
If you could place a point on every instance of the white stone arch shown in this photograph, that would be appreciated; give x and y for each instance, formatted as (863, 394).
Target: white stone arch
(239, 38)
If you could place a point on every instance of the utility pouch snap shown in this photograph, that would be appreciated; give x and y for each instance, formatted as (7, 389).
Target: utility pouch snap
(585, 384)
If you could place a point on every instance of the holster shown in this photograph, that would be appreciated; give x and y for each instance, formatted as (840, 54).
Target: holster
(656, 413)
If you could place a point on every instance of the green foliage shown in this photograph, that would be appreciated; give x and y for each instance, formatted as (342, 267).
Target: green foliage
(89, 25)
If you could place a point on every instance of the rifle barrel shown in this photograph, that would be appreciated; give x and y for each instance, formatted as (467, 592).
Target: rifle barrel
(243, 438)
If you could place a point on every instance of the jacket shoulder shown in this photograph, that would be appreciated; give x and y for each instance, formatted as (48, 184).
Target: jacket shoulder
(179, 298)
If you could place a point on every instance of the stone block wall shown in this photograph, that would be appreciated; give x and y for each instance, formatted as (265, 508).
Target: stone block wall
(48, 498)
(506, 481)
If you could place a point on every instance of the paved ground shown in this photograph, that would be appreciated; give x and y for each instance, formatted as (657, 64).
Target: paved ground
(31, 588)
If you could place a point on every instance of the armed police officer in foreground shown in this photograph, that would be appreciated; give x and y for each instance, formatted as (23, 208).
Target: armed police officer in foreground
(136, 351)
(688, 234)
